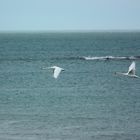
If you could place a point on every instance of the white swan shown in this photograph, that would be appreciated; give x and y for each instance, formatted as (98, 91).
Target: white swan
(56, 71)
(131, 71)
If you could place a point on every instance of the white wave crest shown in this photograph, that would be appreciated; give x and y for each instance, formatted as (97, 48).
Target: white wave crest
(111, 57)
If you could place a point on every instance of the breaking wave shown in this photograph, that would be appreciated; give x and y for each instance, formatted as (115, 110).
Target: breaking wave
(74, 58)
(111, 58)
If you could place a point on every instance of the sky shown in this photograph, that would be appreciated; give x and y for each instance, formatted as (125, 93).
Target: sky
(61, 15)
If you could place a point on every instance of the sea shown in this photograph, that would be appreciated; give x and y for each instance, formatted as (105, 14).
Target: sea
(88, 101)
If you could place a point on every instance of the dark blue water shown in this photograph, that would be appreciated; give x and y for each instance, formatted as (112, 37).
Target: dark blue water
(87, 101)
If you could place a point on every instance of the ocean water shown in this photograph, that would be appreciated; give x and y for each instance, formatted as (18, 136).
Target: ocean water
(87, 101)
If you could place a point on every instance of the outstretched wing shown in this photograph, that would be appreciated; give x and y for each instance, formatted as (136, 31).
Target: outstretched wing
(56, 72)
(132, 68)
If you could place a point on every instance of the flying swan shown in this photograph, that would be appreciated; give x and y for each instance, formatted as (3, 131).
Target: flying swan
(131, 71)
(56, 71)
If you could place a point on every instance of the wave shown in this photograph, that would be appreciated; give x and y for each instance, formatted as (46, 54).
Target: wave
(72, 58)
(111, 58)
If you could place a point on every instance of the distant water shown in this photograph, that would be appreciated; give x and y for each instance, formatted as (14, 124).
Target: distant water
(87, 101)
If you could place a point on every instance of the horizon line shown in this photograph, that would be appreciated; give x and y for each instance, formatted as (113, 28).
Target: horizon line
(70, 31)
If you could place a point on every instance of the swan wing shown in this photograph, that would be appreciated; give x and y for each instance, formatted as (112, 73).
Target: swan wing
(56, 72)
(132, 68)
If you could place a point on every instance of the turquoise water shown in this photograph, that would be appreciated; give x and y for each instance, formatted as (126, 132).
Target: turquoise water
(87, 101)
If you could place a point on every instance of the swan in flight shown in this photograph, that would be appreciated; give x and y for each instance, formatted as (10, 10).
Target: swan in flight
(131, 71)
(56, 71)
